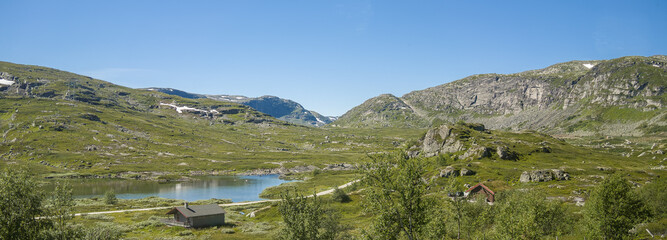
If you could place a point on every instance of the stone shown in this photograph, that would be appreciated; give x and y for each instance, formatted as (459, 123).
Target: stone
(560, 174)
(604, 168)
(476, 152)
(466, 172)
(504, 153)
(544, 175)
(448, 171)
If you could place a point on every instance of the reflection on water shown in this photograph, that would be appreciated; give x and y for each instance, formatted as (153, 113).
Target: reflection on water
(237, 188)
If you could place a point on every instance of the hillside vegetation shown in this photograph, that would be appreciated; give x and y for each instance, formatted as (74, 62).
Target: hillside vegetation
(60, 123)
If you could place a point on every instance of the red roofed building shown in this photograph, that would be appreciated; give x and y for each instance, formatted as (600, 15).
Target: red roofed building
(481, 189)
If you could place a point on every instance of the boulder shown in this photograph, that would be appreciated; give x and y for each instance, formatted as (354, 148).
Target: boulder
(543, 175)
(505, 153)
(466, 172)
(476, 152)
(560, 174)
(448, 171)
(604, 168)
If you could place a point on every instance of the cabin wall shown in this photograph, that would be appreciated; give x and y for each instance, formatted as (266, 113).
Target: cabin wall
(208, 221)
(178, 216)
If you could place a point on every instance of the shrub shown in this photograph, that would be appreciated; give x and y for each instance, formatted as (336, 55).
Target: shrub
(340, 196)
(110, 197)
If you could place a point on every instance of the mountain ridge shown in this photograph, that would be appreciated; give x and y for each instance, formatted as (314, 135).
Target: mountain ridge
(280, 108)
(571, 97)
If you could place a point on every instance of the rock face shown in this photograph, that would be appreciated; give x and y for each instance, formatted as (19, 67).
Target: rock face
(554, 99)
(544, 175)
(447, 144)
(385, 110)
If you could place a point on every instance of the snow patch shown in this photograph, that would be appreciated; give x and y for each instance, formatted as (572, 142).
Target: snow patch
(186, 108)
(239, 98)
(588, 65)
(6, 82)
(319, 120)
(656, 65)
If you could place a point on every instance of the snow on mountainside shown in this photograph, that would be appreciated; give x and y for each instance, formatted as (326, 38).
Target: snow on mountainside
(283, 109)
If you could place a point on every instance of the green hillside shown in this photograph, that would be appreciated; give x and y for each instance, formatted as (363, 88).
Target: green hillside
(56, 123)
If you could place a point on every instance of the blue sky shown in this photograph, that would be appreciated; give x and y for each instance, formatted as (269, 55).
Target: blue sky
(327, 55)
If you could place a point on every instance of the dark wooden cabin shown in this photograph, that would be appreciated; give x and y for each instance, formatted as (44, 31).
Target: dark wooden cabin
(481, 189)
(198, 216)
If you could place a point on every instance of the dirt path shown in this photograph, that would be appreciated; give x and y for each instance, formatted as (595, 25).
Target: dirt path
(222, 205)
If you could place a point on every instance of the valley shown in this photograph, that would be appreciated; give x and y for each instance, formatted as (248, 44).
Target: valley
(560, 131)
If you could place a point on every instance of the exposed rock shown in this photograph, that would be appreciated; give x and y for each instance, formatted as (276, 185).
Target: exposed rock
(448, 171)
(604, 168)
(560, 174)
(413, 154)
(544, 175)
(553, 99)
(441, 140)
(466, 172)
(339, 167)
(544, 149)
(476, 152)
(92, 148)
(505, 153)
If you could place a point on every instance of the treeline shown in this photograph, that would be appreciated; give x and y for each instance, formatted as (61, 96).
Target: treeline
(405, 205)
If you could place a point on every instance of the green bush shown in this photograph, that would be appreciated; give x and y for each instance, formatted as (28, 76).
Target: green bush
(340, 196)
(110, 197)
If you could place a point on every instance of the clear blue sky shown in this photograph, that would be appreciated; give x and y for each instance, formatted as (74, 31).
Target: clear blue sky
(327, 55)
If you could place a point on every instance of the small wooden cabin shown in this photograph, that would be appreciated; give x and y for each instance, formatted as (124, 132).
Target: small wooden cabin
(481, 189)
(199, 216)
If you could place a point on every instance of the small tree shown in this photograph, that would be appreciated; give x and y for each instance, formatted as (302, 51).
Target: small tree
(340, 196)
(478, 218)
(396, 195)
(59, 206)
(20, 206)
(305, 218)
(110, 197)
(458, 204)
(529, 215)
(613, 209)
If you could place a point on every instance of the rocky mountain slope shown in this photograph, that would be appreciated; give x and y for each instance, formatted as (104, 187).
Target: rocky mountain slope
(616, 97)
(283, 109)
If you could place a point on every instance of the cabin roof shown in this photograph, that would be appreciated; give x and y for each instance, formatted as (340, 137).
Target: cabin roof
(198, 210)
(480, 185)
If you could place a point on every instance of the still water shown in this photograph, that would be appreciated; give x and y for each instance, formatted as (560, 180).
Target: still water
(236, 188)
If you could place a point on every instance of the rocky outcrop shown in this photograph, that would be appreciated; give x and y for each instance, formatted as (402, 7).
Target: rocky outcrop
(505, 153)
(476, 152)
(441, 140)
(339, 167)
(556, 99)
(544, 175)
(466, 172)
(449, 171)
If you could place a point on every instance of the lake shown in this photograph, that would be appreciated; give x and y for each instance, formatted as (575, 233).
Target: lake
(236, 188)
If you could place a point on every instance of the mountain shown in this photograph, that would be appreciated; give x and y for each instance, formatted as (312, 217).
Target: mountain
(622, 96)
(57, 123)
(280, 108)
